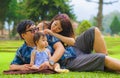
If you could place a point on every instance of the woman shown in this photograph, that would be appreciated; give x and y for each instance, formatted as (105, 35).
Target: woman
(61, 28)
(66, 33)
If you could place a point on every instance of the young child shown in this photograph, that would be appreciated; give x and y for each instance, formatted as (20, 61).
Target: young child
(43, 25)
(42, 54)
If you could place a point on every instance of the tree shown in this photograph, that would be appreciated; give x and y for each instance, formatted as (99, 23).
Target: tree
(100, 9)
(115, 26)
(15, 14)
(35, 10)
(46, 9)
(83, 26)
(3, 10)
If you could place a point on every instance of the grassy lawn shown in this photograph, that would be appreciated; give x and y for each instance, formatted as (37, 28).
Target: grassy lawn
(8, 48)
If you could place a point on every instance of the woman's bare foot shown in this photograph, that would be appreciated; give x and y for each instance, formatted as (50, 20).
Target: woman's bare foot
(34, 67)
(62, 70)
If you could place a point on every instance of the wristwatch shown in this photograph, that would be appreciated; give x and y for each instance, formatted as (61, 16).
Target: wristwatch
(51, 62)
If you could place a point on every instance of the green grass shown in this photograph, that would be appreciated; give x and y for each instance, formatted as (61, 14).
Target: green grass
(10, 46)
(113, 45)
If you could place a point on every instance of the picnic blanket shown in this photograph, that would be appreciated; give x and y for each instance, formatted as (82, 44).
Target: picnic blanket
(37, 71)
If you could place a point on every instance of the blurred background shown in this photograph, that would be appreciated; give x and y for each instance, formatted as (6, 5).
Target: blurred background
(105, 14)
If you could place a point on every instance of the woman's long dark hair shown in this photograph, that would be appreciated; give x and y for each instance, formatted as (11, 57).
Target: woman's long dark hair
(65, 24)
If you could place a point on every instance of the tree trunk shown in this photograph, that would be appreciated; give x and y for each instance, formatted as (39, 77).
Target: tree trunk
(9, 30)
(2, 27)
(100, 15)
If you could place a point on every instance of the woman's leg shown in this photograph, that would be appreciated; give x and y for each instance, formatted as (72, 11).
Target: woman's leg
(99, 43)
(87, 62)
(90, 40)
(85, 41)
(112, 63)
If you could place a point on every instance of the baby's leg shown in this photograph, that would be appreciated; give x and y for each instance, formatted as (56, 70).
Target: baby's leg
(34, 67)
(59, 70)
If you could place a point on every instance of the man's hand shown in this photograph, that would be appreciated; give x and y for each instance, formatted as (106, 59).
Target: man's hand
(25, 67)
(20, 67)
(45, 65)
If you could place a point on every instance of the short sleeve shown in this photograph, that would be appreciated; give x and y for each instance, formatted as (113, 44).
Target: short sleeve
(51, 41)
(22, 55)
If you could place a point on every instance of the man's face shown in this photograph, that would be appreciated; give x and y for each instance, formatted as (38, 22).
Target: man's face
(29, 33)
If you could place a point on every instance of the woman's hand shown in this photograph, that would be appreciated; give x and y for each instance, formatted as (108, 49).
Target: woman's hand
(47, 31)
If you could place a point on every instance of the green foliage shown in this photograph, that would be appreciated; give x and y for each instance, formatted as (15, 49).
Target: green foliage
(15, 13)
(107, 20)
(46, 9)
(115, 26)
(93, 21)
(3, 10)
(83, 26)
(36, 10)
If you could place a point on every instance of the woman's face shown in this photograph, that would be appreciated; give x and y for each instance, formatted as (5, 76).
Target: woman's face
(56, 26)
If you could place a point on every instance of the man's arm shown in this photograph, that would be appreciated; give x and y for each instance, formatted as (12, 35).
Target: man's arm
(59, 51)
(17, 63)
(19, 67)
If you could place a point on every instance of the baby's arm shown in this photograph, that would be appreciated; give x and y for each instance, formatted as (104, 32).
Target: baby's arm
(48, 52)
(32, 61)
(32, 58)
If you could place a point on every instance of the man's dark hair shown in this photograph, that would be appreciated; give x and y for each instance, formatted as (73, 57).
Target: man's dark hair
(22, 26)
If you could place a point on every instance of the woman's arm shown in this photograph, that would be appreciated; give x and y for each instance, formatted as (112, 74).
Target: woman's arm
(59, 51)
(67, 40)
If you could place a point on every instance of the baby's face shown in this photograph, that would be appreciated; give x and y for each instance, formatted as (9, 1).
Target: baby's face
(43, 42)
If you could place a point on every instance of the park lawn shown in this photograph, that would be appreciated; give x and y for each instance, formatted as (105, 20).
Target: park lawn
(7, 57)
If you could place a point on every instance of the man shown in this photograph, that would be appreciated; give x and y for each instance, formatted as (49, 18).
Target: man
(26, 30)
